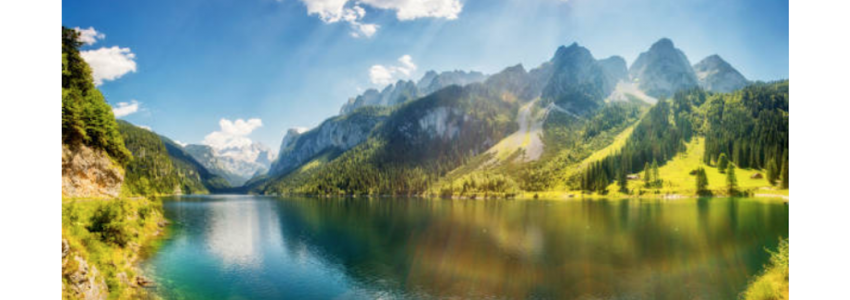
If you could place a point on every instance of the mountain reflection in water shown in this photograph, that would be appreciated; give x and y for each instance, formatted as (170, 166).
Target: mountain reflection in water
(251, 247)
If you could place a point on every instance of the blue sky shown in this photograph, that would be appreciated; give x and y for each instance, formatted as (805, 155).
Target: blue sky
(293, 63)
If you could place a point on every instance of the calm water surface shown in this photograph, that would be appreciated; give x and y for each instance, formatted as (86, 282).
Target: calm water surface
(252, 247)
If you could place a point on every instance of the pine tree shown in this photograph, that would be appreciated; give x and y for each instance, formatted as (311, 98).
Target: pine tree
(785, 179)
(772, 172)
(647, 175)
(701, 182)
(731, 180)
(722, 162)
(623, 182)
(602, 187)
(656, 179)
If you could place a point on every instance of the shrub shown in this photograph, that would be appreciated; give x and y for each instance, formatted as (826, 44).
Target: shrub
(109, 222)
(773, 283)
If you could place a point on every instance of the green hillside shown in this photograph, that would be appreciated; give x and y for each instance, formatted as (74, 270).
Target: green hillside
(161, 167)
(403, 156)
(86, 117)
(694, 129)
(584, 154)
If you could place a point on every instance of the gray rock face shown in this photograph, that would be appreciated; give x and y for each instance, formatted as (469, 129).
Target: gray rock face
(433, 82)
(403, 91)
(615, 69)
(81, 281)
(207, 156)
(663, 70)
(717, 75)
(578, 82)
(393, 94)
(341, 133)
(514, 81)
(245, 161)
(88, 172)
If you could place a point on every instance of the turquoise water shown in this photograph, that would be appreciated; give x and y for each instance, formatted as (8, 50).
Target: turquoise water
(253, 247)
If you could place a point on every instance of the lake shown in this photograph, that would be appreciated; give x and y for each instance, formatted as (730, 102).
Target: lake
(255, 247)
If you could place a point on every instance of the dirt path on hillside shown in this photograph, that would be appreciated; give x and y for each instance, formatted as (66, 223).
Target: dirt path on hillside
(527, 139)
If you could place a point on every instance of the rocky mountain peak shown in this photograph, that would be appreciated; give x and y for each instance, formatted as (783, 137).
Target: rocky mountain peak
(662, 45)
(578, 82)
(663, 70)
(615, 69)
(405, 90)
(717, 75)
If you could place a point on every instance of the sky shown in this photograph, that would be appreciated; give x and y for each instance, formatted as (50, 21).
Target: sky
(232, 72)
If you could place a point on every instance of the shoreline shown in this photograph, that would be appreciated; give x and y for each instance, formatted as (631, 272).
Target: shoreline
(552, 196)
(118, 262)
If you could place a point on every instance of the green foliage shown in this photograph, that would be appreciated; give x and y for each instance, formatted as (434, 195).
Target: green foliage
(481, 185)
(656, 178)
(194, 176)
(623, 182)
(655, 138)
(108, 235)
(773, 283)
(86, 117)
(772, 172)
(402, 157)
(701, 182)
(750, 125)
(731, 180)
(722, 163)
(109, 222)
(784, 173)
(162, 167)
(569, 140)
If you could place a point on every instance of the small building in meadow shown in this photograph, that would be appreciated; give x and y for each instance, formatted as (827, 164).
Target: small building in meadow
(756, 176)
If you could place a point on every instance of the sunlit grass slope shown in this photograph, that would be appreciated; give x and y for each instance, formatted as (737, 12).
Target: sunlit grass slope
(677, 179)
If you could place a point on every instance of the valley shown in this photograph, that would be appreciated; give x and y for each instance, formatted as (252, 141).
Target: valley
(442, 152)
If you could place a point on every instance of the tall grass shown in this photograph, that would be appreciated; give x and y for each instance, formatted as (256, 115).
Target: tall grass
(108, 235)
(773, 284)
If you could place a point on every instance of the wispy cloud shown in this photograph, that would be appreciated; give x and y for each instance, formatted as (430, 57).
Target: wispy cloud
(383, 75)
(89, 36)
(123, 109)
(352, 12)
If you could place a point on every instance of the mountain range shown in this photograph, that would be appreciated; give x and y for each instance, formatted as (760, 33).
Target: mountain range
(412, 137)
(573, 80)
(236, 164)
(464, 132)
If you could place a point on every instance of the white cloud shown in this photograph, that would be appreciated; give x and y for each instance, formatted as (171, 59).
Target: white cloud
(125, 108)
(182, 144)
(109, 63)
(384, 75)
(89, 36)
(145, 127)
(364, 30)
(414, 9)
(332, 11)
(380, 75)
(232, 134)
